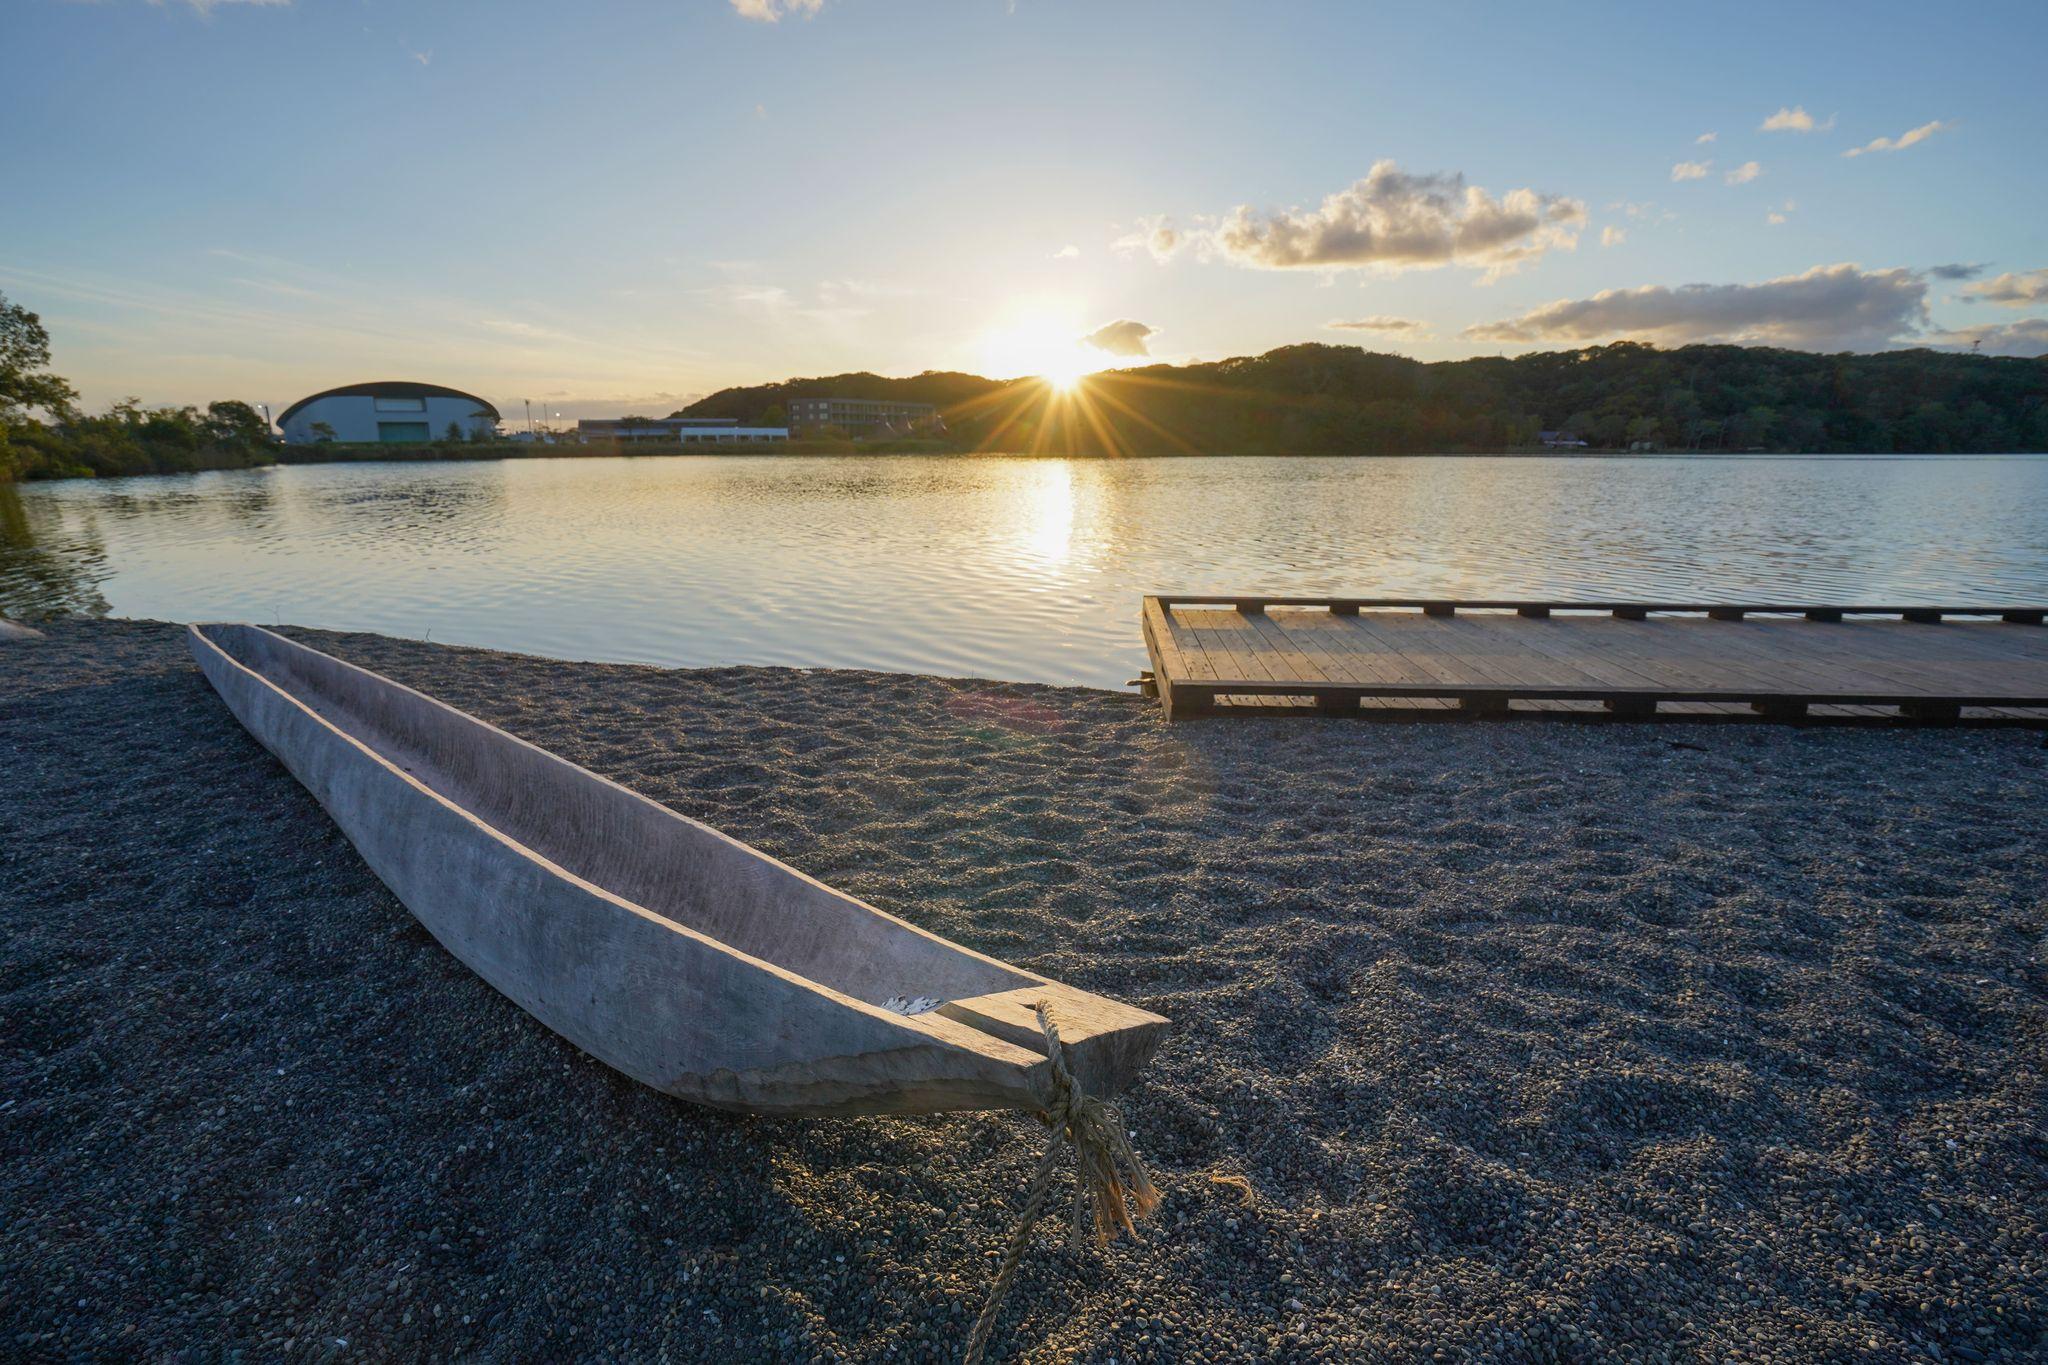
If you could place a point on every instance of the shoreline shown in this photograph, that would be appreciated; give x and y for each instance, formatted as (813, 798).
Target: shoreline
(1505, 1040)
(824, 451)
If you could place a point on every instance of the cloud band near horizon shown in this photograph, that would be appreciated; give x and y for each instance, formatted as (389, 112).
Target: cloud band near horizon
(1829, 307)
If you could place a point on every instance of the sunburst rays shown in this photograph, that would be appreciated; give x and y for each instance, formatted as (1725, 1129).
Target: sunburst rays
(1098, 414)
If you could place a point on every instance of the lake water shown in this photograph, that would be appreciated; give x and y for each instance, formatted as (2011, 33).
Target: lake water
(1016, 568)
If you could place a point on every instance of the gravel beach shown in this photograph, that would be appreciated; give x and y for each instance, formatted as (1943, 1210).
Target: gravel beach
(1492, 1041)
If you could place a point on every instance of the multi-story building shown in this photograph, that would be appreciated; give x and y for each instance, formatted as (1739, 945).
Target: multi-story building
(858, 416)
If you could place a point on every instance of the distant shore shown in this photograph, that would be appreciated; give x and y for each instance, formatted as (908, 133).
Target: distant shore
(1503, 1041)
(510, 450)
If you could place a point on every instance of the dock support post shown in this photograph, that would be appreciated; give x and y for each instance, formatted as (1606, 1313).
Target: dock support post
(2023, 618)
(1439, 609)
(1631, 614)
(1725, 613)
(1931, 710)
(1827, 614)
(1632, 708)
(1484, 703)
(1534, 613)
(1780, 708)
(1337, 704)
(1923, 616)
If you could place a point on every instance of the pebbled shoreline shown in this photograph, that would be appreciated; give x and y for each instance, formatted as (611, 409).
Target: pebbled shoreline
(1498, 1041)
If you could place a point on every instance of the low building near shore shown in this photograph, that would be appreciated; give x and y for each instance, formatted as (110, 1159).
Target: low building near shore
(687, 430)
(391, 411)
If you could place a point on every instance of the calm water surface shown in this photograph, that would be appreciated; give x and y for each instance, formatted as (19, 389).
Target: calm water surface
(996, 567)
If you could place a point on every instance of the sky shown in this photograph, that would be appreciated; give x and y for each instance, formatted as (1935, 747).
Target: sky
(620, 205)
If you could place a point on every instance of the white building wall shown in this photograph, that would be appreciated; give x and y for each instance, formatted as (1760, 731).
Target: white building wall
(691, 436)
(359, 418)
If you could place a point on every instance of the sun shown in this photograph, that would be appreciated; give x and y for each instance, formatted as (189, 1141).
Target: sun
(1041, 343)
(1063, 372)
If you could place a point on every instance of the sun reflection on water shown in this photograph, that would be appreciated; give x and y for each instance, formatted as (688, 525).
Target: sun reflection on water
(1046, 506)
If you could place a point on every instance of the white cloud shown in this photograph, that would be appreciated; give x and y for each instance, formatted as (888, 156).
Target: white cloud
(1157, 235)
(1613, 236)
(209, 6)
(1774, 218)
(2012, 289)
(276, 287)
(1642, 213)
(1903, 140)
(2026, 337)
(1691, 170)
(771, 11)
(1395, 221)
(529, 332)
(1794, 120)
(835, 291)
(833, 303)
(1830, 307)
(1122, 337)
(772, 297)
(1704, 138)
(1381, 323)
(1067, 252)
(1743, 174)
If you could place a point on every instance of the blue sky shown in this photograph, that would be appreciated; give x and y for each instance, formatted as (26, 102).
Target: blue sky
(620, 204)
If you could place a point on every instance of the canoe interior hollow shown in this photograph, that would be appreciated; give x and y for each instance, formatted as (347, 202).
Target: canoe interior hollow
(621, 842)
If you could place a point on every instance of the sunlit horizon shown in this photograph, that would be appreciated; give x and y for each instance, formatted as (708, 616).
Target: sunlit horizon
(1386, 179)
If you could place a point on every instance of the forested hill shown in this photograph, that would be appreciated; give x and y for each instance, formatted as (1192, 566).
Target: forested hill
(944, 389)
(1318, 399)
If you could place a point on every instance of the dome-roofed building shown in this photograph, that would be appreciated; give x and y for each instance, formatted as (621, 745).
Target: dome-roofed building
(391, 410)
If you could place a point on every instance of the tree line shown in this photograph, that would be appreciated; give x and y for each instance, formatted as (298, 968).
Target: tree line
(1315, 399)
(125, 439)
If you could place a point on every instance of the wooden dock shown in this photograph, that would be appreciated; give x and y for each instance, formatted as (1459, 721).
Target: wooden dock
(1353, 656)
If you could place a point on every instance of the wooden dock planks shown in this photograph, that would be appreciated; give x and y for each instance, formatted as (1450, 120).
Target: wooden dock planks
(1776, 661)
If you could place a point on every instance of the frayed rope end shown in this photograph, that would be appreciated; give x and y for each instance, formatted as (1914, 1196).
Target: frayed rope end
(1112, 1192)
(1114, 1184)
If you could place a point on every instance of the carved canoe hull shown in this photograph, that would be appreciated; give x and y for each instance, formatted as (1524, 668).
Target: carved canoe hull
(683, 958)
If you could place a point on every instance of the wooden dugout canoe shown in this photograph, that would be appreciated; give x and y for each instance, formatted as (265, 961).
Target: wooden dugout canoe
(680, 956)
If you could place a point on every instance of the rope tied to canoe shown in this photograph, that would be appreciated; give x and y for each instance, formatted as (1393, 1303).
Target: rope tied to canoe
(1112, 1188)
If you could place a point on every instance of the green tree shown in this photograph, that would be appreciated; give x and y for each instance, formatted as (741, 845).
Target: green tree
(25, 381)
(322, 431)
(1609, 430)
(171, 428)
(233, 425)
